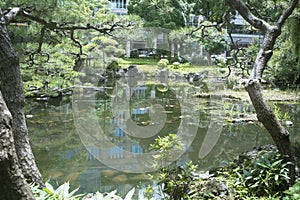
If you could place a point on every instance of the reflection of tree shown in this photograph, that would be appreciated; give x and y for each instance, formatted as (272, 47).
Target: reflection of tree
(230, 144)
(57, 148)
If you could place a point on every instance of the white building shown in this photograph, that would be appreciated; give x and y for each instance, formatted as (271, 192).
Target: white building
(118, 7)
(243, 34)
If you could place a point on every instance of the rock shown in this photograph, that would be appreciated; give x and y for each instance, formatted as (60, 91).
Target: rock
(132, 71)
(162, 75)
(120, 73)
(222, 70)
(289, 123)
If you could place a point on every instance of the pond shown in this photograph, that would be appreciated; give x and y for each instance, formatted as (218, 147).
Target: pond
(99, 139)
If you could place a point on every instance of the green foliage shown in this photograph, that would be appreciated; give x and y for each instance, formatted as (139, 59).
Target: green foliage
(268, 10)
(173, 14)
(266, 175)
(293, 193)
(106, 44)
(63, 193)
(285, 62)
(182, 182)
(214, 42)
(162, 63)
(165, 147)
(149, 192)
(50, 57)
(282, 116)
(139, 61)
(134, 53)
(163, 14)
(113, 66)
(255, 175)
(177, 180)
(209, 38)
(46, 74)
(286, 68)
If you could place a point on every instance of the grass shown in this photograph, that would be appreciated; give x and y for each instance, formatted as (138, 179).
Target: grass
(149, 66)
(138, 61)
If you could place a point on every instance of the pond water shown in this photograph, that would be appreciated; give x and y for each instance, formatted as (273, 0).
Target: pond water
(69, 146)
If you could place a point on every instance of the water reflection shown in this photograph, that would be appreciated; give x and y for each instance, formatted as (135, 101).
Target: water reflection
(123, 117)
(61, 155)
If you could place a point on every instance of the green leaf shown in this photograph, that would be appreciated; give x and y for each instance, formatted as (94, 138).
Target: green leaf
(49, 188)
(48, 191)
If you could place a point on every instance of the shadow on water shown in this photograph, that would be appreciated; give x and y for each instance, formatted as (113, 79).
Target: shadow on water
(61, 155)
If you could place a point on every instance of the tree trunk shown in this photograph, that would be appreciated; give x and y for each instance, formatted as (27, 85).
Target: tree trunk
(264, 114)
(278, 133)
(13, 93)
(13, 185)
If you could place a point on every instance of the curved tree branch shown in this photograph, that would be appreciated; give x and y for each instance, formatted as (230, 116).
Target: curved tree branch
(287, 13)
(76, 42)
(248, 15)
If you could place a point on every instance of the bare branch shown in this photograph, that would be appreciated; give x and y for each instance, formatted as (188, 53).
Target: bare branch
(248, 15)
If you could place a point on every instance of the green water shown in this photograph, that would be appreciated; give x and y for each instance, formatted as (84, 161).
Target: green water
(62, 155)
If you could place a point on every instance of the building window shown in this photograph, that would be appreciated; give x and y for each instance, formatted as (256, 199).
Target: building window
(120, 132)
(116, 152)
(94, 153)
(117, 4)
(136, 150)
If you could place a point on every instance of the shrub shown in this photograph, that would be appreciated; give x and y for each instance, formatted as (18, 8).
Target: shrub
(165, 60)
(63, 193)
(162, 63)
(113, 66)
(134, 53)
(293, 193)
(263, 176)
(257, 174)
(49, 193)
(176, 65)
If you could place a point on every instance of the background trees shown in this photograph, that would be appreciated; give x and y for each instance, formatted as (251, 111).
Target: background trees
(176, 16)
(285, 61)
(163, 14)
